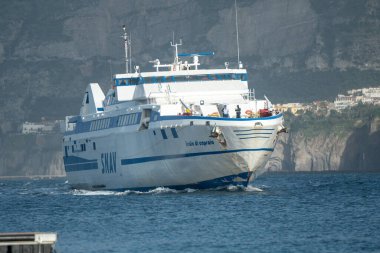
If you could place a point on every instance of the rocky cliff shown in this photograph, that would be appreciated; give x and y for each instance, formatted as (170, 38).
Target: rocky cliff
(31, 156)
(307, 148)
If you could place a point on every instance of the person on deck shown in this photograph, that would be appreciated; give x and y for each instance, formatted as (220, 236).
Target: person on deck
(225, 111)
(238, 111)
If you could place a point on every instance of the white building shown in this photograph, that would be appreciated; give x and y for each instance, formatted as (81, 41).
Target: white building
(343, 101)
(37, 128)
(365, 96)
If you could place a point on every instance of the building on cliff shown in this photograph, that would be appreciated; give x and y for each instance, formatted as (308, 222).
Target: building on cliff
(365, 96)
(39, 128)
(341, 102)
(294, 108)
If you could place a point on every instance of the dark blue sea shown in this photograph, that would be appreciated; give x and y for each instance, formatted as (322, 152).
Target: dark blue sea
(283, 212)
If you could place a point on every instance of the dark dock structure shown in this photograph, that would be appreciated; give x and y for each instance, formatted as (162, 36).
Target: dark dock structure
(27, 242)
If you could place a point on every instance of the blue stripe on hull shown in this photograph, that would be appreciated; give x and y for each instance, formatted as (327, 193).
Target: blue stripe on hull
(221, 119)
(81, 166)
(257, 129)
(74, 163)
(168, 157)
(254, 137)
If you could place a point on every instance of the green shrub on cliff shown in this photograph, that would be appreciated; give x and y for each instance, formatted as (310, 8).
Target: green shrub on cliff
(338, 123)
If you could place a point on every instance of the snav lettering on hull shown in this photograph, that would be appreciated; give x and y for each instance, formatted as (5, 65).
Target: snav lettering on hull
(108, 162)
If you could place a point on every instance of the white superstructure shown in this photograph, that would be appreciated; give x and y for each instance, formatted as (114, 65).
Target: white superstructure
(179, 126)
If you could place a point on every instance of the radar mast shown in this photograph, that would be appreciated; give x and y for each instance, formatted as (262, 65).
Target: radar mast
(127, 46)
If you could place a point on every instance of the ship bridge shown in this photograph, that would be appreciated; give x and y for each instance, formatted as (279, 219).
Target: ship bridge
(180, 76)
(191, 86)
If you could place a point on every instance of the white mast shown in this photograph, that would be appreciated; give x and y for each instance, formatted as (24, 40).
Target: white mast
(126, 43)
(130, 52)
(237, 37)
(176, 59)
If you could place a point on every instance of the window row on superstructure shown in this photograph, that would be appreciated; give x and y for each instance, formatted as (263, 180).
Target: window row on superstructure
(106, 123)
(100, 124)
(187, 78)
(128, 119)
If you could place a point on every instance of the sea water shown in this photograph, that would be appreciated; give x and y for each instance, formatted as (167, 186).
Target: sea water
(283, 212)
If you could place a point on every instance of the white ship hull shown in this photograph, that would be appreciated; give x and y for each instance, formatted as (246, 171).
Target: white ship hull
(175, 152)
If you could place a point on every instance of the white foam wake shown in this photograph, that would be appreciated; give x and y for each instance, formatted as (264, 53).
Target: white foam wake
(163, 190)
(251, 188)
(158, 190)
(93, 193)
(248, 188)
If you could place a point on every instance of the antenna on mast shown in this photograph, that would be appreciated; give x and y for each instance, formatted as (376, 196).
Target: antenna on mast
(237, 37)
(127, 42)
(130, 51)
(176, 60)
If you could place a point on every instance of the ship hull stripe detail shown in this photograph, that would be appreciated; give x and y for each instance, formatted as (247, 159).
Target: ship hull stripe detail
(254, 137)
(258, 129)
(222, 119)
(252, 134)
(167, 157)
(81, 166)
(74, 163)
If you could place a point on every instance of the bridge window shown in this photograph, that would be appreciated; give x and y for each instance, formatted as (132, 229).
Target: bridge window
(129, 81)
(181, 79)
(149, 80)
(133, 81)
(235, 76)
(227, 77)
(185, 78)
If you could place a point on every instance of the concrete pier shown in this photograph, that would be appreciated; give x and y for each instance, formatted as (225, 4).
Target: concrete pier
(27, 242)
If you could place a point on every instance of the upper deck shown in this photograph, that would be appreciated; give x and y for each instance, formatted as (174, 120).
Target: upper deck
(187, 75)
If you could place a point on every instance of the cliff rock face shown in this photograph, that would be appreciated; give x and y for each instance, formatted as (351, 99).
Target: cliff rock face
(355, 150)
(295, 152)
(31, 155)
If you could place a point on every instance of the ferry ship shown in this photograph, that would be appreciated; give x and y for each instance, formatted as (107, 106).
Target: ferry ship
(178, 126)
